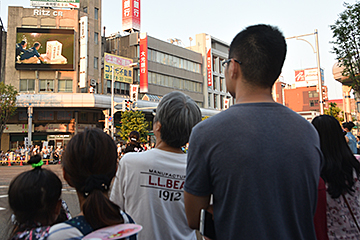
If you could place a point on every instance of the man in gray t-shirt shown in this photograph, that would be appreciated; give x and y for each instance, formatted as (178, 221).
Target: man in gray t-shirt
(259, 159)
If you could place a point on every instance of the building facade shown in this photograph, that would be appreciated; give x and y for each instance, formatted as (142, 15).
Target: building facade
(214, 52)
(169, 67)
(51, 88)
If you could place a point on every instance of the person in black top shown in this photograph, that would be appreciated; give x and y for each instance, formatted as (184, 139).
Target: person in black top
(20, 49)
(133, 145)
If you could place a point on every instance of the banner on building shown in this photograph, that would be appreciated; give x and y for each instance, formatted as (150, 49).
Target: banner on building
(130, 15)
(55, 3)
(226, 103)
(122, 71)
(134, 89)
(308, 77)
(143, 63)
(83, 51)
(209, 61)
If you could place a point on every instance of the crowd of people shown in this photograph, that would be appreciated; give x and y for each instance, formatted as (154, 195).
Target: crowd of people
(23, 154)
(297, 181)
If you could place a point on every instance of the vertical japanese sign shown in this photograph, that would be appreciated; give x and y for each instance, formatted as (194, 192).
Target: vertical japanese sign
(209, 60)
(83, 51)
(131, 15)
(143, 63)
(226, 103)
(122, 71)
(134, 92)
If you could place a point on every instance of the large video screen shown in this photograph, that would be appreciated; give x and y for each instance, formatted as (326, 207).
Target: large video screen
(44, 49)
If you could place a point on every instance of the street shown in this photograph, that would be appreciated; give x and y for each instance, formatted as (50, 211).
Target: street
(7, 173)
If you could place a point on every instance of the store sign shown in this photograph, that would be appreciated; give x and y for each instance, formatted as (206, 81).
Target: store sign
(143, 63)
(226, 103)
(134, 92)
(130, 15)
(122, 71)
(83, 51)
(209, 61)
(55, 3)
(17, 128)
(308, 77)
(43, 12)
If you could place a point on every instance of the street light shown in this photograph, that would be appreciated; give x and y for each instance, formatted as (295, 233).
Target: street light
(317, 60)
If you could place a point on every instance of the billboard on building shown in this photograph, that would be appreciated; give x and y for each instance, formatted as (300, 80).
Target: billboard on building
(44, 49)
(130, 15)
(308, 77)
(143, 63)
(122, 71)
(83, 51)
(209, 61)
(55, 3)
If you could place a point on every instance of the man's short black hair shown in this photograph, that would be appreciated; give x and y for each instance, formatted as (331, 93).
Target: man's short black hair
(36, 44)
(22, 43)
(261, 49)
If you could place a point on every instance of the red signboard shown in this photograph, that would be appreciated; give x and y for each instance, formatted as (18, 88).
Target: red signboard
(209, 68)
(299, 75)
(131, 15)
(143, 63)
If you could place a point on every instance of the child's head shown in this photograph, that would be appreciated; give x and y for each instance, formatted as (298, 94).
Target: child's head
(34, 196)
(89, 164)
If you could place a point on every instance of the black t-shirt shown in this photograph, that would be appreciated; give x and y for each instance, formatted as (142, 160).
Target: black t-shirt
(133, 147)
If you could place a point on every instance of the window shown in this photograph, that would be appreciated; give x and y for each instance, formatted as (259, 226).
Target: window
(83, 116)
(222, 84)
(27, 85)
(96, 61)
(96, 14)
(108, 86)
(85, 9)
(45, 115)
(314, 103)
(117, 87)
(65, 85)
(214, 83)
(125, 88)
(46, 85)
(64, 115)
(23, 115)
(313, 94)
(215, 101)
(96, 38)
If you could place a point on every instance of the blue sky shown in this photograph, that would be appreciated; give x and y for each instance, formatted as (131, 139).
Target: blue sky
(224, 19)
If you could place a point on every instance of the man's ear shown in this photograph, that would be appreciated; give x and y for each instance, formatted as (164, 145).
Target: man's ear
(67, 179)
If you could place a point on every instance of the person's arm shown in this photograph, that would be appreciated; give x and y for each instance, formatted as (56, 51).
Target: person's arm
(193, 206)
(347, 139)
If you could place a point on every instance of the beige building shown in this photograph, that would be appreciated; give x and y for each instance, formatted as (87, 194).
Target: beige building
(214, 52)
(55, 89)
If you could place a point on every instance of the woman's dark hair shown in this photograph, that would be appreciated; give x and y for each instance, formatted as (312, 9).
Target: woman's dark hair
(134, 136)
(340, 163)
(348, 125)
(33, 196)
(89, 162)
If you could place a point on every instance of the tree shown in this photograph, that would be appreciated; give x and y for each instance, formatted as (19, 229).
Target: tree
(7, 105)
(334, 111)
(133, 121)
(346, 32)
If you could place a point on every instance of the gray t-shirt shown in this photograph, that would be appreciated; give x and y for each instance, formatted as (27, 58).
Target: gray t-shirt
(261, 162)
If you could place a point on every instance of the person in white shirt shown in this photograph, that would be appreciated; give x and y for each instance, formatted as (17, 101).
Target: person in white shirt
(149, 185)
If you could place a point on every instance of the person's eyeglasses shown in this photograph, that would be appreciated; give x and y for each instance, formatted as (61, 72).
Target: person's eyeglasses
(224, 63)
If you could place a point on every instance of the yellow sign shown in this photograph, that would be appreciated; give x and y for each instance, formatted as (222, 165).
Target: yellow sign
(122, 71)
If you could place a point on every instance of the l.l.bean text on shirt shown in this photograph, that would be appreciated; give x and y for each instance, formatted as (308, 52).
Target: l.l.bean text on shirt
(166, 183)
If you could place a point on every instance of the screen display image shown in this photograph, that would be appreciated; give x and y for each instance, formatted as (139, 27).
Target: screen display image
(44, 49)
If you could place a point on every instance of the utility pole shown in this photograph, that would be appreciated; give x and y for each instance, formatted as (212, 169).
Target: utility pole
(321, 102)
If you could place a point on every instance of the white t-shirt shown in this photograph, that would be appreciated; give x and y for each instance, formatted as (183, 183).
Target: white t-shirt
(149, 187)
